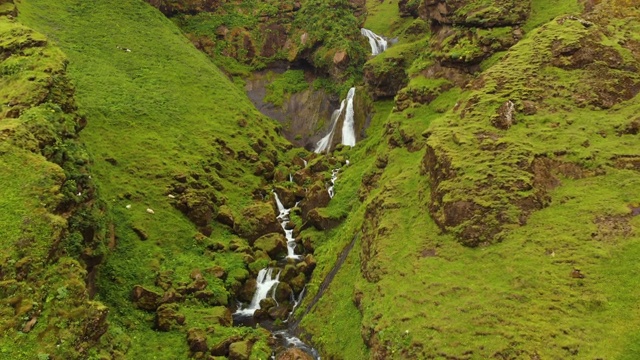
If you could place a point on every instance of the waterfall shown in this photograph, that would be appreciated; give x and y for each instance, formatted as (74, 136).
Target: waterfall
(378, 43)
(325, 143)
(348, 125)
(288, 233)
(348, 132)
(266, 284)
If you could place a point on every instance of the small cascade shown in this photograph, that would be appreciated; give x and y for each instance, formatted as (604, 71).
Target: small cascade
(378, 43)
(290, 178)
(334, 177)
(266, 284)
(289, 340)
(348, 125)
(305, 162)
(288, 233)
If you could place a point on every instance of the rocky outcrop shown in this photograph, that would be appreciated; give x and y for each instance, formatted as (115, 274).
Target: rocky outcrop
(473, 13)
(173, 7)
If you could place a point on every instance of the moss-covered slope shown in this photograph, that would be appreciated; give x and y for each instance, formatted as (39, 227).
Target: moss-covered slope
(174, 144)
(533, 165)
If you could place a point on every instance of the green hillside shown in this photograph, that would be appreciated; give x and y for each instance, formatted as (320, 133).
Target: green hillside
(491, 200)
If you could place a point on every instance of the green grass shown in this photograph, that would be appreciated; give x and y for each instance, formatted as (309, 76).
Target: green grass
(543, 11)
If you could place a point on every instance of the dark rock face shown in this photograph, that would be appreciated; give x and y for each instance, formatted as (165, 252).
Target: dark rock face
(172, 7)
(385, 80)
(476, 14)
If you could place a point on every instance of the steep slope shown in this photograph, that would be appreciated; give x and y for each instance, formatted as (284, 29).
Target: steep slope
(51, 221)
(173, 144)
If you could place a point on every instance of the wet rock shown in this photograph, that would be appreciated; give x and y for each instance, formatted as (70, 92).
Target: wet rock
(506, 116)
(168, 317)
(248, 289)
(280, 312)
(274, 244)
(283, 292)
(298, 283)
(144, 298)
(294, 354)
(287, 196)
(197, 340)
(267, 303)
(289, 272)
(240, 350)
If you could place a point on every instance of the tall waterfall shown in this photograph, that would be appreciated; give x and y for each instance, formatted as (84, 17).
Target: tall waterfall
(348, 131)
(378, 43)
(266, 284)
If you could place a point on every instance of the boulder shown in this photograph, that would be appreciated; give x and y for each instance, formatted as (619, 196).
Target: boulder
(321, 221)
(257, 220)
(283, 292)
(222, 348)
(225, 216)
(168, 317)
(294, 354)
(298, 283)
(274, 244)
(280, 312)
(144, 298)
(240, 350)
(197, 340)
(245, 294)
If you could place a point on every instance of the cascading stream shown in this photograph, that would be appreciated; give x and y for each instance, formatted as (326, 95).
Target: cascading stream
(288, 233)
(378, 43)
(266, 284)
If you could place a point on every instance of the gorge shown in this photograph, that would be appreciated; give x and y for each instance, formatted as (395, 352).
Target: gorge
(319, 179)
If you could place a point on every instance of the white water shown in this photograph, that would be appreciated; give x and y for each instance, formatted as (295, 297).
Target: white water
(284, 220)
(348, 130)
(290, 178)
(378, 43)
(334, 177)
(325, 143)
(266, 284)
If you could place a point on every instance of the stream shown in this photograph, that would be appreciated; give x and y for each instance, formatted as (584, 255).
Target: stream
(268, 279)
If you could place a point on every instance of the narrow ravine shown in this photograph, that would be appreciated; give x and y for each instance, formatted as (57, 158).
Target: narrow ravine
(268, 279)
